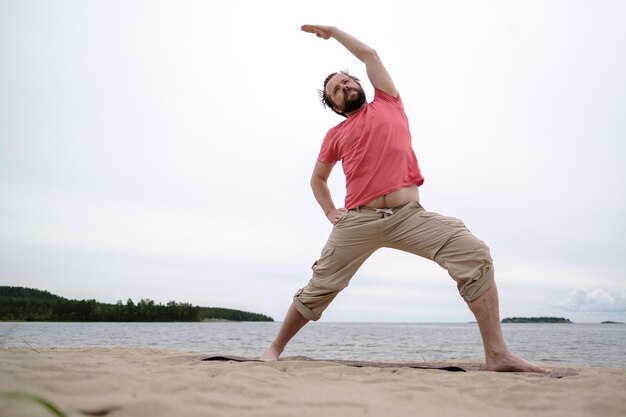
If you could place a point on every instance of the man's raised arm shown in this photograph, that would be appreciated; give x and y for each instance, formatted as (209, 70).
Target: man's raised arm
(376, 71)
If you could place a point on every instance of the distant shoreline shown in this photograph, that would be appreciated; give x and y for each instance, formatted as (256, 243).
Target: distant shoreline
(536, 320)
(31, 304)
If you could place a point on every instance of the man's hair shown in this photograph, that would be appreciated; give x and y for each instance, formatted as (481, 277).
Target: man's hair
(325, 100)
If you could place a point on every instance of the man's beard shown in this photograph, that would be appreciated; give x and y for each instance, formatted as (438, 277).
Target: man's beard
(355, 102)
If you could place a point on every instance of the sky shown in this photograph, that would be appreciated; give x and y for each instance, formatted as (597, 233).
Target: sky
(163, 150)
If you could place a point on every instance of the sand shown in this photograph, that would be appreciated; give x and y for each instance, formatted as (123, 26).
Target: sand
(152, 383)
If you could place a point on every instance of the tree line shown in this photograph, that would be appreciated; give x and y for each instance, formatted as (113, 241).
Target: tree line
(29, 304)
(536, 320)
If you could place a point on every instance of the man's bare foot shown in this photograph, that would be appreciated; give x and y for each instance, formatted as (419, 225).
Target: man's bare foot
(512, 363)
(271, 354)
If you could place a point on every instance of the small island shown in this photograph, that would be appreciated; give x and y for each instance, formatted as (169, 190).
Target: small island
(612, 322)
(29, 304)
(536, 320)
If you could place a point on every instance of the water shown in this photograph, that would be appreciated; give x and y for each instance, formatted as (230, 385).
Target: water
(567, 344)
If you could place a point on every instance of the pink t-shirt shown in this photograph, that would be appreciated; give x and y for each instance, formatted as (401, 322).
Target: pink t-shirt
(374, 147)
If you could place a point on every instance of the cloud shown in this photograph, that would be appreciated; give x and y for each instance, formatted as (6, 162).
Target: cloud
(597, 300)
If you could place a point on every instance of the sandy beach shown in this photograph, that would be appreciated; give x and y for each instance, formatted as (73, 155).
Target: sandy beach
(140, 382)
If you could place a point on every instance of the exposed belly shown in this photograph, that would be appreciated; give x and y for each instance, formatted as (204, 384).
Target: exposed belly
(396, 198)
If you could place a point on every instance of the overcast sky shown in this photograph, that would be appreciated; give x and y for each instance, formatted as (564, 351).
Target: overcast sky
(163, 150)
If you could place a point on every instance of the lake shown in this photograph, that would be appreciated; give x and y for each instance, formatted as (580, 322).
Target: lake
(568, 344)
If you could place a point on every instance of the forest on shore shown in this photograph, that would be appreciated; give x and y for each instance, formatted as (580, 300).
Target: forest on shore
(29, 304)
(536, 320)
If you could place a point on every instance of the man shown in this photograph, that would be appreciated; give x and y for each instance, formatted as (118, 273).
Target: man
(382, 208)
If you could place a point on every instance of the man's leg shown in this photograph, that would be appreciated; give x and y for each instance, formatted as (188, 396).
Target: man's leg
(348, 246)
(447, 241)
(497, 355)
(293, 322)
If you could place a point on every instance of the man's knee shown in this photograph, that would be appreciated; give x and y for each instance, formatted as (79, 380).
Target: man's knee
(473, 288)
(311, 301)
(468, 261)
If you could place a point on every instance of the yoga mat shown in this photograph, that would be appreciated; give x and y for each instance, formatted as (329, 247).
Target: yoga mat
(458, 367)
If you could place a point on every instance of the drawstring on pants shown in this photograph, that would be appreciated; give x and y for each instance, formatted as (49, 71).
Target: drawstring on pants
(385, 211)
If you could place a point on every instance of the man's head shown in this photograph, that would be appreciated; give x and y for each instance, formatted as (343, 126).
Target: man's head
(342, 93)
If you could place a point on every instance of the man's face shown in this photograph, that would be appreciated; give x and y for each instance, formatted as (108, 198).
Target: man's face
(346, 94)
